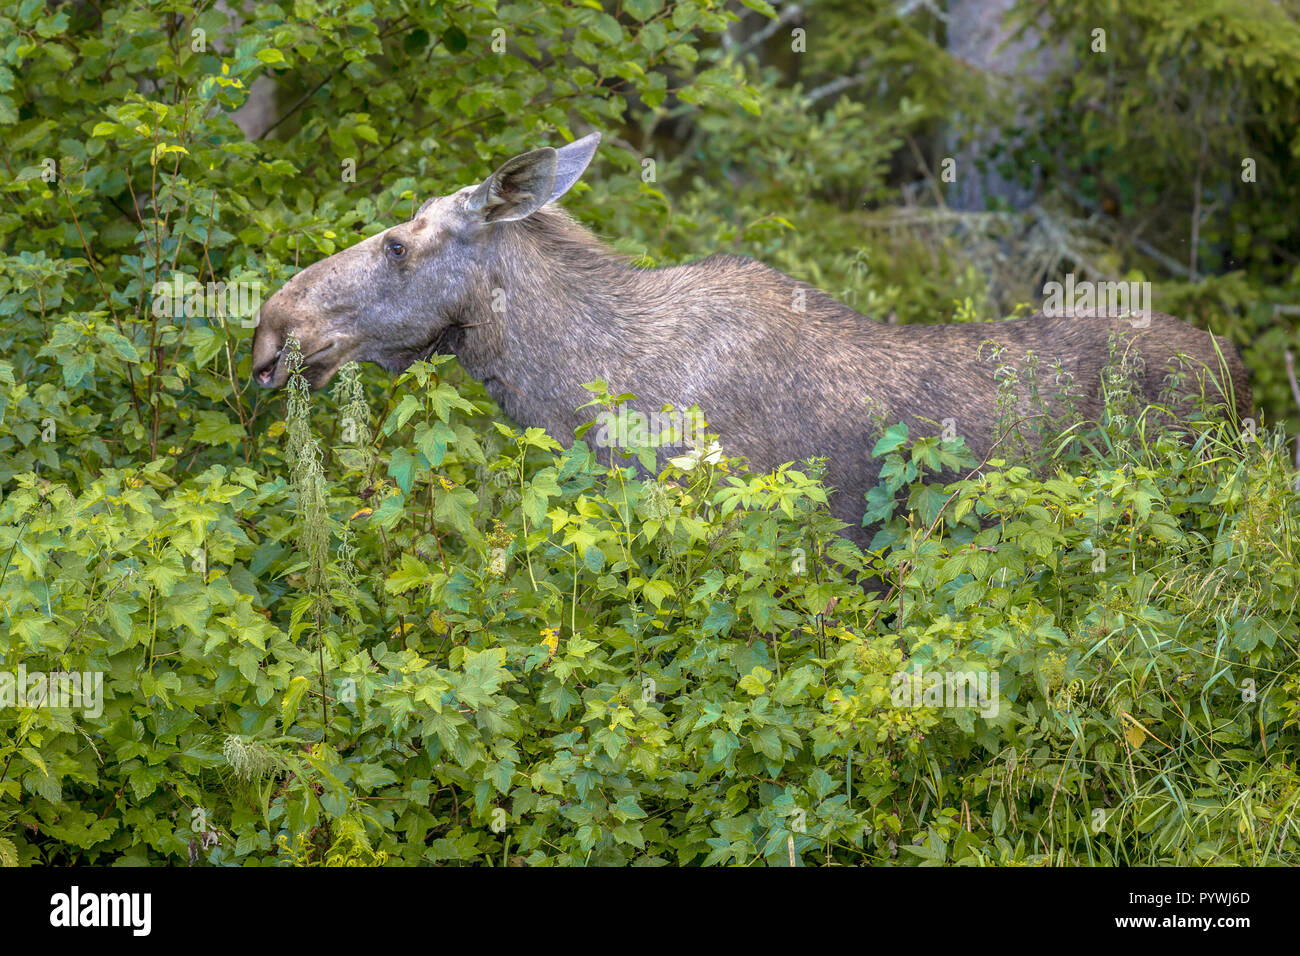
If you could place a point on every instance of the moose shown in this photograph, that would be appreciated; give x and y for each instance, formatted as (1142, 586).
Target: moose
(534, 305)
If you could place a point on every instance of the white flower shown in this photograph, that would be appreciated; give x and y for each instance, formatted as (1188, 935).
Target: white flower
(710, 456)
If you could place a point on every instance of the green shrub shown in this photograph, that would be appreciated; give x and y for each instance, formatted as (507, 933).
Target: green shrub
(507, 651)
(382, 626)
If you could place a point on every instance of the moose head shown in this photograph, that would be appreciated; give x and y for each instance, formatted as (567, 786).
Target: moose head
(396, 297)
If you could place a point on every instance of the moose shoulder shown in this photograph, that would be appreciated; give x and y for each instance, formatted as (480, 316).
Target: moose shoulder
(534, 305)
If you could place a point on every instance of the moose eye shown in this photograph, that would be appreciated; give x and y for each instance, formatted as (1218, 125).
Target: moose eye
(395, 249)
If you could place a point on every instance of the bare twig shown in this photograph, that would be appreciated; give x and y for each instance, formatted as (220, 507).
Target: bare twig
(1169, 262)
(929, 174)
(834, 87)
(788, 13)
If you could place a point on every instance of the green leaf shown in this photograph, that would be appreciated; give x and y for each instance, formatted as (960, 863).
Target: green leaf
(454, 39)
(893, 439)
(414, 42)
(755, 682)
(214, 428)
(410, 573)
(402, 468)
(642, 9)
(658, 591)
(719, 619)
(432, 440)
(78, 367)
(608, 28)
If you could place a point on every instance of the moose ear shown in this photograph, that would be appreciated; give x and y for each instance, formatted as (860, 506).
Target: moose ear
(573, 162)
(518, 188)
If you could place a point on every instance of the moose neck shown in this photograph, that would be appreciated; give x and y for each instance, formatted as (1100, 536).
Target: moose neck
(560, 309)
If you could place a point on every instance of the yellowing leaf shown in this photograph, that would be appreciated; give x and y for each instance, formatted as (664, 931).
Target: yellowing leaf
(162, 149)
(1135, 735)
(292, 699)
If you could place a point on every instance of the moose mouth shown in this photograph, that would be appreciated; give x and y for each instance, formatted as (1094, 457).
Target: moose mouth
(316, 375)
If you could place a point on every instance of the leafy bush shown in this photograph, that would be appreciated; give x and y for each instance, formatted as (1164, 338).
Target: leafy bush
(383, 626)
(499, 650)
